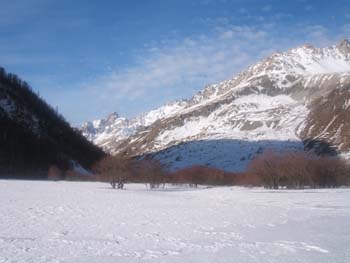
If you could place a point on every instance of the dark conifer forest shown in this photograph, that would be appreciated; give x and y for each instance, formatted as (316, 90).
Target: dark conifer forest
(34, 136)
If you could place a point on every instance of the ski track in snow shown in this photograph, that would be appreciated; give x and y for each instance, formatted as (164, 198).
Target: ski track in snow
(88, 222)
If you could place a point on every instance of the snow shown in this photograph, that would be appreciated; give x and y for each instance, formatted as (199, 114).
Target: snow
(318, 61)
(268, 101)
(115, 128)
(7, 105)
(88, 222)
(235, 121)
(226, 154)
(167, 110)
(76, 167)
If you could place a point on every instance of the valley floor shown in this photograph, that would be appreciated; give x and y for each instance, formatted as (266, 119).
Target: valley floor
(89, 222)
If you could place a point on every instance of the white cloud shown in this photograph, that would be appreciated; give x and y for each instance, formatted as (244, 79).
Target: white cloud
(174, 69)
(168, 69)
(177, 69)
(188, 64)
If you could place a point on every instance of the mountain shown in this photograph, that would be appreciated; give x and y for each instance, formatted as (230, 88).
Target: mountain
(34, 137)
(112, 130)
(286, 101)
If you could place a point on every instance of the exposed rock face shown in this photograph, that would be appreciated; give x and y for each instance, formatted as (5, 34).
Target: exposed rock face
(276, 103)
(329, 119)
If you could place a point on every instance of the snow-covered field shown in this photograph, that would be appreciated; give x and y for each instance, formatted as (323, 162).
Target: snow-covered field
(88, 222)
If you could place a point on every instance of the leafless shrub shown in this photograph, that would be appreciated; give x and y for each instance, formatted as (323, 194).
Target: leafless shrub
(248, 179)
(294, 169)
(297, 169)
(54, 173)
(114, 170)
(329, 172)
(152, 172)
(266, 166)
(200, 174)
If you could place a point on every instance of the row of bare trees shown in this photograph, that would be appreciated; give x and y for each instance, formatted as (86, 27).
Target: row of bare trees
(298, 169)
(120, 169)
(291, 170)
(203, 175)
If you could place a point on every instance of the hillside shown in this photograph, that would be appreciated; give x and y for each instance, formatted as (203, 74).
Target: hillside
(272, 104)
(33, 136)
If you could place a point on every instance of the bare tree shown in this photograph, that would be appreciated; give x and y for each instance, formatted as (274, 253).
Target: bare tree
(297, 169)
(329, 172)
(114, 169)
(266, 165)
(294, 169)
(152, 172)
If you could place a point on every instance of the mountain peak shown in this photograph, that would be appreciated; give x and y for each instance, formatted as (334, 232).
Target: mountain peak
(307, 59)
(344, 46)
(264, 106)
(307, 46)
(113, 116)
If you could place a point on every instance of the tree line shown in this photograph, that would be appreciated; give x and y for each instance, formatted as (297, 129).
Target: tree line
(120, 169)
(275, 170)
(299, 169)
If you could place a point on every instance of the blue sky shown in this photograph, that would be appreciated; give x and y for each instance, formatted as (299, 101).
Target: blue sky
(90, 58)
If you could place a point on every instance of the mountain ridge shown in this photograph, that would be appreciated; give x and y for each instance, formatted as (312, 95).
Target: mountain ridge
(270, 100)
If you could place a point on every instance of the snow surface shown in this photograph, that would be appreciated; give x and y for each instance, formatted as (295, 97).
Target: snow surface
(88, 222)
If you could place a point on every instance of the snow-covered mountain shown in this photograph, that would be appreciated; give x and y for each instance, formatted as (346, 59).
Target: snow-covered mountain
(275, 103)
(112, 130)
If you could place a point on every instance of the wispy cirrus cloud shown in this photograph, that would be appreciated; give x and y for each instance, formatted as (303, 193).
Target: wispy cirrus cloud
(166, 69)
(173, 70)
(170, 69)
(114, 57)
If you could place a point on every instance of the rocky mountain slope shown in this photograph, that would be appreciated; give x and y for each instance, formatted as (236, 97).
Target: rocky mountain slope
(291, 97)
(329, 119)
(33, 136)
